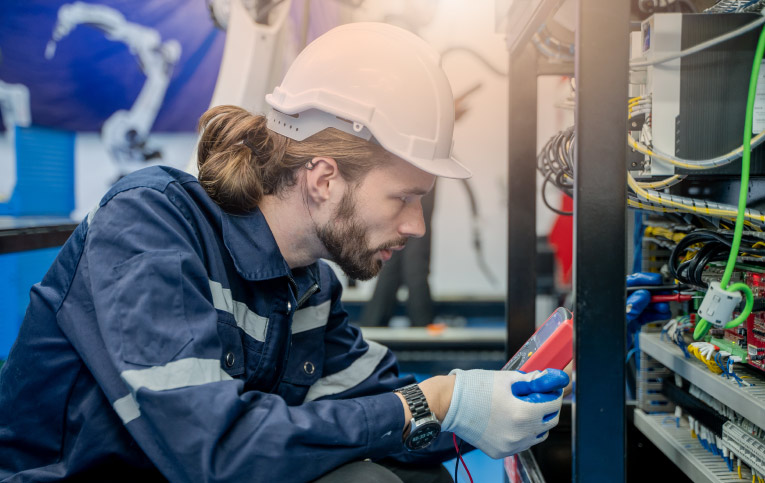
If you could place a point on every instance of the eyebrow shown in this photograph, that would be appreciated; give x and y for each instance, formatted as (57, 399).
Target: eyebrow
(415, 191)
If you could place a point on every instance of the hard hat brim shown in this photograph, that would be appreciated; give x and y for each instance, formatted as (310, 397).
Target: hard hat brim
(444, 168)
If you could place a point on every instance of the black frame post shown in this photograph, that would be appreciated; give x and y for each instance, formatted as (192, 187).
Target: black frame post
(521, 212)
(601, 68)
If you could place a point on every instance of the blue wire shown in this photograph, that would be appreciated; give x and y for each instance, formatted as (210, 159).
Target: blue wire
(681, 343)
(730, 370)
(718, 361)
(629, 354)
(734, 9)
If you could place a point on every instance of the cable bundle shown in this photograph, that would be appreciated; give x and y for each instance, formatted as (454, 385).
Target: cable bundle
(731, 6)
(556, 164)
(708, 246)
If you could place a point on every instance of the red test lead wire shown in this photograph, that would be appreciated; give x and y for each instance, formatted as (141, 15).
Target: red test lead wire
(457, 448)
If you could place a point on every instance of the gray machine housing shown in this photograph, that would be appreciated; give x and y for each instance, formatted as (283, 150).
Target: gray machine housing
(699, 101)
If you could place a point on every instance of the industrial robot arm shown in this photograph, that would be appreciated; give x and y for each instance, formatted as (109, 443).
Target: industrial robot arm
(14, 105)
(254, 54)
(125, 133)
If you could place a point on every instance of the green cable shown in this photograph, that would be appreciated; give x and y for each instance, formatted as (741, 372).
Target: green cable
(703, 325)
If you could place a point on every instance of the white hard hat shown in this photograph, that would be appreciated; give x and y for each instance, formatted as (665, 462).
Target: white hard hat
(372, 80)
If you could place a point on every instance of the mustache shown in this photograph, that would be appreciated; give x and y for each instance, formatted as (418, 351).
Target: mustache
(393, 243)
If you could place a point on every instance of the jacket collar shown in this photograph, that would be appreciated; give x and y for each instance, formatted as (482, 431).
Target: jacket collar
(256, 255)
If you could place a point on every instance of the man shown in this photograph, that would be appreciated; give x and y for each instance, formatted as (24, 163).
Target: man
(187, 330)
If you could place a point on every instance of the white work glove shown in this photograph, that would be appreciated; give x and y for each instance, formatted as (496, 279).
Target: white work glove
(504, 412)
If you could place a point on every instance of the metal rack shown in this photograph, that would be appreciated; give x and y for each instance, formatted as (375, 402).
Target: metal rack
(601, 70)
(32, 233)
(749, 402)
(684, 450)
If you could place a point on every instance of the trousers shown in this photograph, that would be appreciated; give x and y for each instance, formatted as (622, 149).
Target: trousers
(386, 472)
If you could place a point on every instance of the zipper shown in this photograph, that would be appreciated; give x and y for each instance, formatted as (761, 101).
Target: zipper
(293, 284)
(307, 295)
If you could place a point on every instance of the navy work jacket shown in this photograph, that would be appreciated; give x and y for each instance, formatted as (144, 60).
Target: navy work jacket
(170, 340)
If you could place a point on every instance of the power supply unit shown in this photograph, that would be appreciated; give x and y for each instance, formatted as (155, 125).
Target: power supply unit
(699, 101)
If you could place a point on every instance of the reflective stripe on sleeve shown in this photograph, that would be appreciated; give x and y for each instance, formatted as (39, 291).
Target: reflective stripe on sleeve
(176, 374)
(251, 323)
(127, 409)
(92, 213)
(351, 376)
(310, 318)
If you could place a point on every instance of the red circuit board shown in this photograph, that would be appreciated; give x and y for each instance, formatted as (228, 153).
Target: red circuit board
(755, 324)
(755, 338)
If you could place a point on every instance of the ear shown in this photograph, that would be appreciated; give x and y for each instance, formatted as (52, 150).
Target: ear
(322, 179)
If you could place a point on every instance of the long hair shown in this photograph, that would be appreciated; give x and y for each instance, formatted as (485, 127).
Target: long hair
(240, 160)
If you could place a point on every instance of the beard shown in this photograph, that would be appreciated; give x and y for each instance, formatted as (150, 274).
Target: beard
(346, 239)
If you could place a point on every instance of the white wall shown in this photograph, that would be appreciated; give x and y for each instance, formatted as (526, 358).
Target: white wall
(95, 172)
(480, 142)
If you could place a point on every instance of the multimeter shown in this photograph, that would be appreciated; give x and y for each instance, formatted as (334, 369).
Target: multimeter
(551, 346)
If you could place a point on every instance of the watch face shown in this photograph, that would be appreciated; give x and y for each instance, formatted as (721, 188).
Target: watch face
(422, 436)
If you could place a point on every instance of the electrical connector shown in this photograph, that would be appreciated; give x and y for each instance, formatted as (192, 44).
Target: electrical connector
(718, 305)
(749, 448)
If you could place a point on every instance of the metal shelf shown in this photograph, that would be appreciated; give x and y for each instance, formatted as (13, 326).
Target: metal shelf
(749, 402)
(18, 234)
(684, 450)
(449, 337)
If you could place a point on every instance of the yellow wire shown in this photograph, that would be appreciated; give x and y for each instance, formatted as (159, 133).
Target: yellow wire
(683, 209)
(712, 366)
(661, 209)
(691, 251)
(664, 232)
(664, 183)
(645, 150)
(693, 209)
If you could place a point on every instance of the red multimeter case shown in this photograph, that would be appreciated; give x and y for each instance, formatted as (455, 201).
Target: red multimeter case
(549, 347)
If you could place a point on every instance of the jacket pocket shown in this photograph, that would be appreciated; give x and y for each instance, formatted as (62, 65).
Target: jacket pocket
(149, 297)
(232, 354)
(306, 361)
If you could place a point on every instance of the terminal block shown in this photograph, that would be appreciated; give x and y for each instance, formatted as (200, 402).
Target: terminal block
(750, 449)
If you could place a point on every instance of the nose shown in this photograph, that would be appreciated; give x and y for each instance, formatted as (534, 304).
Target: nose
(413, 224)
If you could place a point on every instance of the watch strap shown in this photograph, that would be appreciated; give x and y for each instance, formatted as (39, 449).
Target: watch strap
(416, 401)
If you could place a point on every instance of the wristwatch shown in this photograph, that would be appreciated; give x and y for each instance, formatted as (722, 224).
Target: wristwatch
(424, 426)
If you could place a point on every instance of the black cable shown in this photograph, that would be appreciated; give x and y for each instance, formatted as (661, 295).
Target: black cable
(555, 164)
(477, 245)
(475, 54)
(457, 463)
(715, 247)
(547, 204)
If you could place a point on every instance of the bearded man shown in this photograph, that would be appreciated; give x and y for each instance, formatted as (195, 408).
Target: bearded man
(189, 331)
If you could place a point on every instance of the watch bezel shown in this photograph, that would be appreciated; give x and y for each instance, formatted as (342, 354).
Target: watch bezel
(417, 428)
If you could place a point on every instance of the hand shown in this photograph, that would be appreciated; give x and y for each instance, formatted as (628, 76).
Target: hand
(569, 369)
(640, 310)
(505, 412)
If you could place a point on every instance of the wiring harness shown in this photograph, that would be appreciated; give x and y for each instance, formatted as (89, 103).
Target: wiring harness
(555, 162)
(697, 249)
(734, 6)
